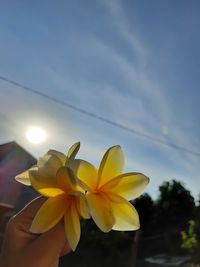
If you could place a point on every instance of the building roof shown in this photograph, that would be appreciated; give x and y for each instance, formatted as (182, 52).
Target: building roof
(14, 159)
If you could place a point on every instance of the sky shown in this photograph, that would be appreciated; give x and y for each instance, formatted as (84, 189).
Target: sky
(136, 63)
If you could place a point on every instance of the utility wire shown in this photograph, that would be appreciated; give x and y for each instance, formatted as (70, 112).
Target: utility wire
(98, 117)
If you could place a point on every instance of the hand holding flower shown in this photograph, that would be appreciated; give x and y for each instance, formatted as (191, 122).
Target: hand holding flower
(23, 248)
(76, 189)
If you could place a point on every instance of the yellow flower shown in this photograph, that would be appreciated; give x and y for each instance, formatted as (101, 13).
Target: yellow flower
(53, 177)
(108, 191)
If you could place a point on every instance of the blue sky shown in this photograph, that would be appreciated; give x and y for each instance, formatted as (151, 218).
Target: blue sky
(133, 62)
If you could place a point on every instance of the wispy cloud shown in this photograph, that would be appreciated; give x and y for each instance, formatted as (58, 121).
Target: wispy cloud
(149, 117)
(90, 71)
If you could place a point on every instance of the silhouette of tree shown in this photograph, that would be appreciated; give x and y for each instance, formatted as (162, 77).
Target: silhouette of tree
(175, 205)
(145, 207)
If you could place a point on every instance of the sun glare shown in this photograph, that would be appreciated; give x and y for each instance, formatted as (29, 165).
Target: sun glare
(36, 135)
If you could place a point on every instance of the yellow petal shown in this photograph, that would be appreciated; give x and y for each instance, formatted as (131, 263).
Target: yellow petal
(50, 213)
(128, 185)
(49, 165)
(85, 172)
(73, 150)
(66, 180)
(111, 165)
(101, 211)
(126, 216)
(72, 226)
(23, 178)
(82, 207)
(59, 155)
(43, 178)
(50, 191)
(44, 185)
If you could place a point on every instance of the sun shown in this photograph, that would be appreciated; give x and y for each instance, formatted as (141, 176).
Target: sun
(36, 135)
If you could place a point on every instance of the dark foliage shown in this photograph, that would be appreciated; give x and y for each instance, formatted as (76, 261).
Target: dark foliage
(175, 206)
(161, 222)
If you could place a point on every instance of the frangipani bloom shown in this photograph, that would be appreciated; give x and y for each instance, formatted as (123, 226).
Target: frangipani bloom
(108, 191)
(53, 177)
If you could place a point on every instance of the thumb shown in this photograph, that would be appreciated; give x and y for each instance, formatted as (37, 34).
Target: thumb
(18, 229)
(51, 245)
(18, 226)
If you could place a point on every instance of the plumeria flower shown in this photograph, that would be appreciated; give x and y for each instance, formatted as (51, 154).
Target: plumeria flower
(108, 191)
(53, 178)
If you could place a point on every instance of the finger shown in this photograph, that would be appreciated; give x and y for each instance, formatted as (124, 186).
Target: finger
(66, 250)
(30, 210)
(19, 225)
(50, 245)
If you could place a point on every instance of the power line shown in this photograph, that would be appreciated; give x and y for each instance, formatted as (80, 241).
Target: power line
(98, 117)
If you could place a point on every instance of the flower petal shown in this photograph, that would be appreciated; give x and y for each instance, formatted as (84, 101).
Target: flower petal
(72, 226)
(58, 154)
(49, 165)
(50, 213)
(44, 185)
(128, 185)
(101, 211)
(85, 172)
(73, 150)
(50, 191)
(66, 180)
(111, 165)
(43, 178)
(23, 178)
(126, 216)
(82, 207)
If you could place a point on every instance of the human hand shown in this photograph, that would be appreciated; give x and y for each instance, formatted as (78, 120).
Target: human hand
(25, 249)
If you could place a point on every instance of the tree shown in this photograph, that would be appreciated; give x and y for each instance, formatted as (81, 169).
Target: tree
(145, 207)
(175, 205)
